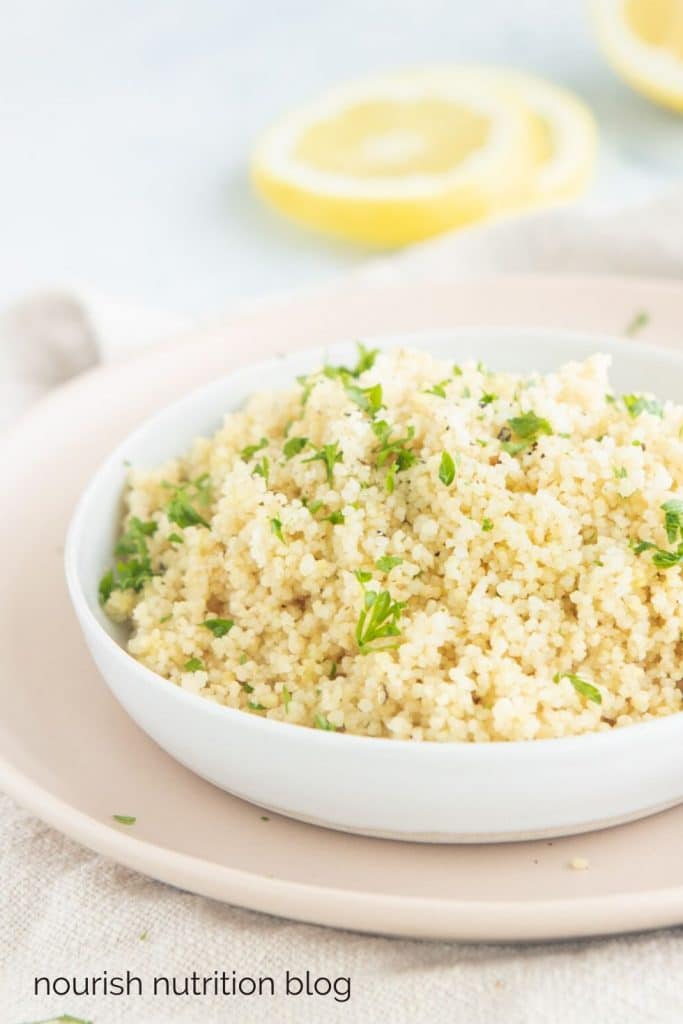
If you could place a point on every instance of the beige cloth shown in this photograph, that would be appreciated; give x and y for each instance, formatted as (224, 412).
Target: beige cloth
(66, 910)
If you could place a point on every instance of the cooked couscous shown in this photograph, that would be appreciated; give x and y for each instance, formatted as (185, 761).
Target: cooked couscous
(406, 548)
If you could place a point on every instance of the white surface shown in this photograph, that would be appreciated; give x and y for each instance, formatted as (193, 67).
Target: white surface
(397, 789)
(126, 129)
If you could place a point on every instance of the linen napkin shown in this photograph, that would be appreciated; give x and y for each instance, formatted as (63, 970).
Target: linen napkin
(63, 908)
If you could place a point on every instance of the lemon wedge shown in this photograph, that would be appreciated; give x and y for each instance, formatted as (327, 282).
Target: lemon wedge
(564, 138)
(643, 40)
(399, 158)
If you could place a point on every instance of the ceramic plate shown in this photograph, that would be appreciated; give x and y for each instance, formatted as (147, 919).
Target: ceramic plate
(71, 755)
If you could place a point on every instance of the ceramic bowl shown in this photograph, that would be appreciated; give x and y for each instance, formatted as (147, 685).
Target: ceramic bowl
(429, 792)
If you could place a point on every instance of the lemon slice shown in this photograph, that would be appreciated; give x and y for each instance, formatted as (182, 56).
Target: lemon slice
(643, 40)
(564, 138)
(398, 158)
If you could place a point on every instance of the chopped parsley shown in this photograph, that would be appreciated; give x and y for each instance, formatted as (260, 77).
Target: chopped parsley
(175, 538)
(294, 446)
(446, 469)
(336, 517)
(673, 524)
(365, 361)
(368, 399)
(332, 674)
(219, 627)
(181, 508)
(248, 453)
(487, 399)
(262, 469)
(124, 819)
(276, 527)
(255, 706)
(286, 698)
(388, 562)
(438, 389)
(194, 665)
(457, 371)
(640, 320)
(393, 452)
(581, 686)
(330, 455)
(673, 519)
(527, 429)
(322, 722)
(620, 472)
(134, 565)
(377, 627)
(638, 404)
(487, 525)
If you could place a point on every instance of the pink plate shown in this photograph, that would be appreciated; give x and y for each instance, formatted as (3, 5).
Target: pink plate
(71, 755)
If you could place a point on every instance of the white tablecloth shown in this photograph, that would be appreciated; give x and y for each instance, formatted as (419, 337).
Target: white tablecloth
(64, 910)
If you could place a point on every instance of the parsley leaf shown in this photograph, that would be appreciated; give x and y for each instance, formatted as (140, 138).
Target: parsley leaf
(638, 404)
(365, 361)
(438, 389)
(528, 427)
(673, 519)
(446, 469)
(640, 320)
(330, 454)
(293, 446)
(276, 527)
(581, 686)
(368, 399)
(194, 665)
(124, 819)
(249, 452)
(387, 562)
(134, 567)
(377, 627)
(262, 468)
(219, 627)
(321, 722)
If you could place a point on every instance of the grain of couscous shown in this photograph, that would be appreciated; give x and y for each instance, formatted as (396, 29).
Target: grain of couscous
(410, 549)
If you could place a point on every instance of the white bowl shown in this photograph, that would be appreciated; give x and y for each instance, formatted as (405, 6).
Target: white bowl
(428, 792)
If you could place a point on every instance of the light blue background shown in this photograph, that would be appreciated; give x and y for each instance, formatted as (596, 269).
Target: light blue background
(126, 127)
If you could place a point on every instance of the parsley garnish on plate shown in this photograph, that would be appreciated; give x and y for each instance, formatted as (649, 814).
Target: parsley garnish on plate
(124, 819)
(527, 428)
(330, 455)
(581, 686)
(219, 627)
(640, 320)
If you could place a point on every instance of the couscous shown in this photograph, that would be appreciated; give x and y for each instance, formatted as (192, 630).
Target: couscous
(410, 549)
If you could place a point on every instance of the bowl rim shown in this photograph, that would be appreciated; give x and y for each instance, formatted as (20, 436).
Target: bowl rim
(321, 353)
